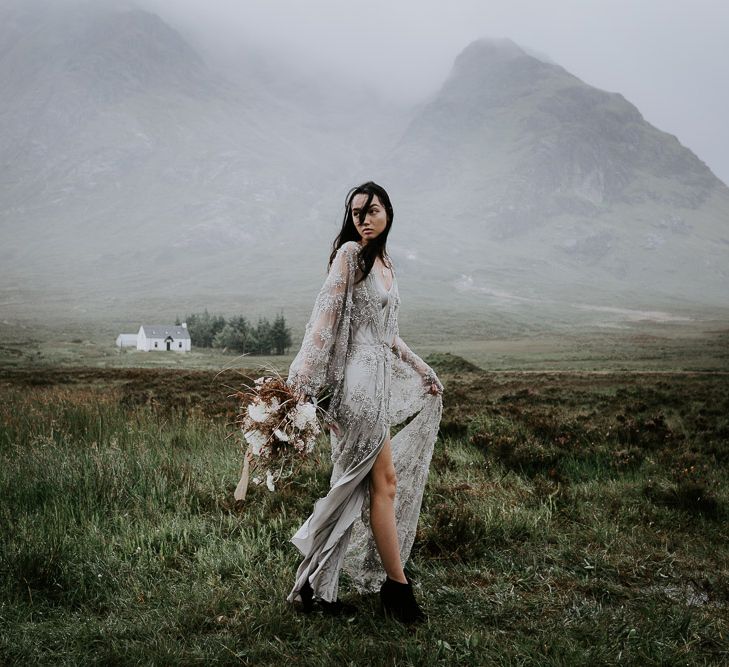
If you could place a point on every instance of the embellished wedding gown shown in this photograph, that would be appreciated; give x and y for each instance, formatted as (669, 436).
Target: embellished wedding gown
(352, 345)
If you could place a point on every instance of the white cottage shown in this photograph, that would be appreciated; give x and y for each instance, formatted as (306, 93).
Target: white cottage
(167, 337)
(126, 340)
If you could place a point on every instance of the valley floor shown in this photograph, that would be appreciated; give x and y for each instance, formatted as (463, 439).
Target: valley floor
(570, 518)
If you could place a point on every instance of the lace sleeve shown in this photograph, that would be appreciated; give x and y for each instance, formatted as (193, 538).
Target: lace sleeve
(409, 357)
(320, 361)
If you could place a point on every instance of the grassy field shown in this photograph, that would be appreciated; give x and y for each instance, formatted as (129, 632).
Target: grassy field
(696, 344)
(570, 518)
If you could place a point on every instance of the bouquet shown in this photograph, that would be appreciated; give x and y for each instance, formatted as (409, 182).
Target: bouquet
(278, 433)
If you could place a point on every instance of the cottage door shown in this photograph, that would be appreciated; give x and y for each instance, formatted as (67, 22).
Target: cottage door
(168, 340)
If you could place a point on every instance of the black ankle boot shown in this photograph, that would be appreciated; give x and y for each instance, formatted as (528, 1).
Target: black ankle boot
(397, 599)
(307, 596)
(335, 608)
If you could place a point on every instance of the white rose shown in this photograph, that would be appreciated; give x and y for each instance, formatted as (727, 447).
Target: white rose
(304, 415)
(257, 411)
(281, 435)
(269, 481)
(256, 439)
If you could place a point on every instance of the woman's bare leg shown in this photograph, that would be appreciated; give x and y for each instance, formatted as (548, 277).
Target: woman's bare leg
(383, 485)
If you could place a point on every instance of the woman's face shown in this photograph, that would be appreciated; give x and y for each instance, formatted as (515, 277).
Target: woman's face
(374, 222)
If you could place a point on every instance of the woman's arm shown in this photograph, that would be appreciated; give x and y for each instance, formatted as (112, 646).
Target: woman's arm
(409, 357)
(327, 330)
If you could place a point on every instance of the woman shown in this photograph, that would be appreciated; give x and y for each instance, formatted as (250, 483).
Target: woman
(366, 523)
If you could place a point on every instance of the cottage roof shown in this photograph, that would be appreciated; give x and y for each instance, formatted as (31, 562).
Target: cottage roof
(164, 330)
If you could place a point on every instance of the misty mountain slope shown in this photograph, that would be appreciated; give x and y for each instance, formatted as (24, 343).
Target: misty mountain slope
(534, 170)
(565, 144)
(137, 169)
(121, 148)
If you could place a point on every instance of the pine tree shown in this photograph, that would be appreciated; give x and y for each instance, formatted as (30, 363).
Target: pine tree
(237, 334)
(280, 335)
(229, 339)
(263, 334)
(204, 327)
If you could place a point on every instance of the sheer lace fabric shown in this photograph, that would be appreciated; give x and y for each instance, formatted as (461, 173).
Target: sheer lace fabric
(352, 345)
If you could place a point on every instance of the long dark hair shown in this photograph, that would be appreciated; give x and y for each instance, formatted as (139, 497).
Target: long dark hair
(374, 247)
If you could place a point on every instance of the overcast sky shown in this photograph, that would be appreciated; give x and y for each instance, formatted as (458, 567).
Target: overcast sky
(668, 57)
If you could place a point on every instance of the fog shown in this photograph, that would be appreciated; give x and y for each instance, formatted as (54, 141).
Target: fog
(126, 153)
(670, 59)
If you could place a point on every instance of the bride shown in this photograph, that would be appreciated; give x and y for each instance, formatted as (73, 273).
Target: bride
(366, 523)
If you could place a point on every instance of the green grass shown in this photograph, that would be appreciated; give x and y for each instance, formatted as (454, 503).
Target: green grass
(697, 345)
(568, 520)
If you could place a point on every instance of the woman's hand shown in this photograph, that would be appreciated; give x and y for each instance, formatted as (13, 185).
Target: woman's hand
(431, 382)
(433, 388)
(302, 397)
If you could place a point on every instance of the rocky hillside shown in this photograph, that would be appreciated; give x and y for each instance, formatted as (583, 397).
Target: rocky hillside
(137, 175)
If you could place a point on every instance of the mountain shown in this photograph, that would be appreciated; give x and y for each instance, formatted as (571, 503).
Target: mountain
(127, 159)
(138, 175)
(556, 183)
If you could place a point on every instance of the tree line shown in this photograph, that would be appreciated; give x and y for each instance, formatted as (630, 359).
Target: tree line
(237, 334)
